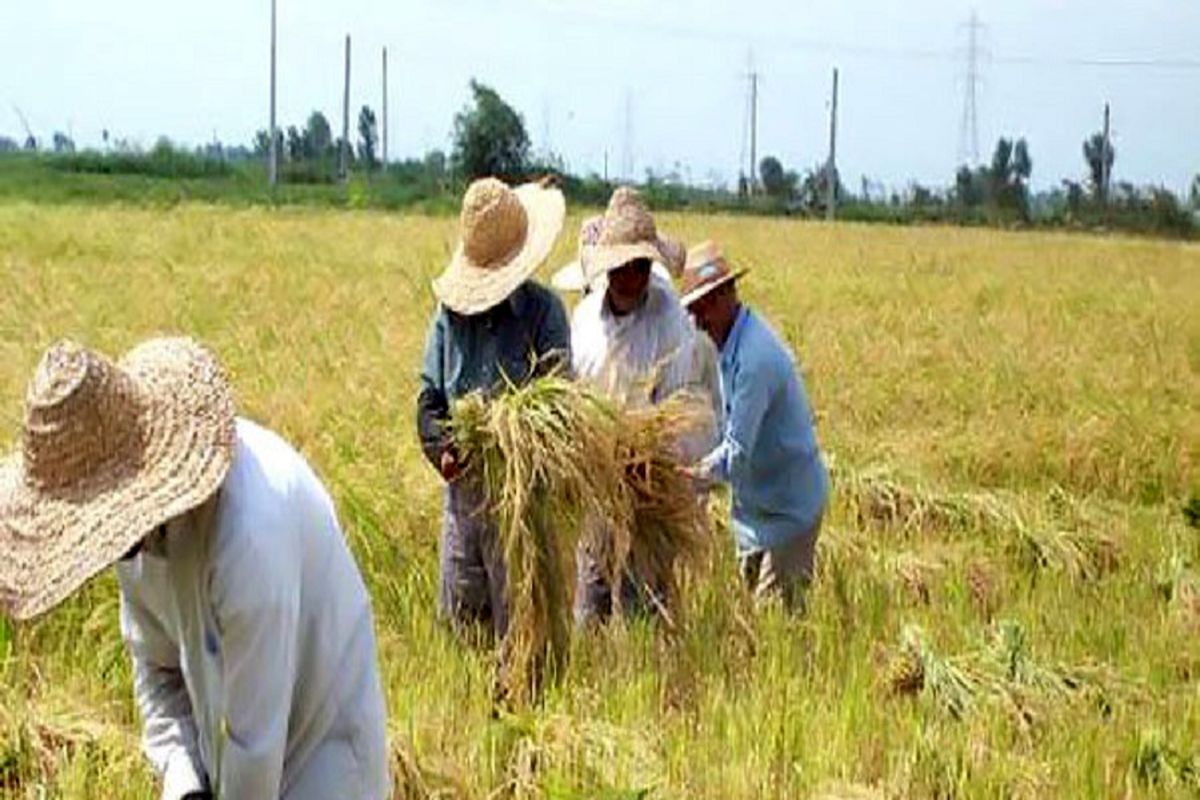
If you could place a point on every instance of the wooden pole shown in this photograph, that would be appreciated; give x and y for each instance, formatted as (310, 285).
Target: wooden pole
(385, 111)
(1105, 168)
(273, 148)
(344, 165)
(831, 168)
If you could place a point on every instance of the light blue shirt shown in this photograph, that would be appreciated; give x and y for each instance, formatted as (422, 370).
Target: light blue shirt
(769, 453)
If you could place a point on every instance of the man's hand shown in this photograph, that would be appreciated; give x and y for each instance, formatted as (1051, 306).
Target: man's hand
(451, 467)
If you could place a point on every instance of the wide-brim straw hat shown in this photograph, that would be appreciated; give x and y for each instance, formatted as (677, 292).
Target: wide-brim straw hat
(506, 235)
(627, 234)
(572, 276)
(706, 270)
(109, 452)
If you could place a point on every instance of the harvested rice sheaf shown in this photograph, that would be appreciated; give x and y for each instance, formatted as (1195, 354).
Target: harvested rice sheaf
(551, 456)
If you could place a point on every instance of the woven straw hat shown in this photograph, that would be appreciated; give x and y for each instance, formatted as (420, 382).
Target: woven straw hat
(706, 270)
(571, 277)
(506, 234)
(108, 453)
(628, 233)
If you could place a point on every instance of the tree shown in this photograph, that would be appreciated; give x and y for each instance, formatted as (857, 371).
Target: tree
(971, 186)
(368, 137)
(8, 145)
(1099, 160)
(489, 138)
(770, 172)
(1007, 178)
(318, 136)
(295, 144)
(63, 143)
(1195, 193)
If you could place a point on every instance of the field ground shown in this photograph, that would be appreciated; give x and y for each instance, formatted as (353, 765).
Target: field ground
(1008, 600)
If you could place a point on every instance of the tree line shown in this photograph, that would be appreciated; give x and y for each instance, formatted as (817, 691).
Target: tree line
(489, 137)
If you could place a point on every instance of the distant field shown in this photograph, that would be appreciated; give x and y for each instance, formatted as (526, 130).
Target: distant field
(1008, 600)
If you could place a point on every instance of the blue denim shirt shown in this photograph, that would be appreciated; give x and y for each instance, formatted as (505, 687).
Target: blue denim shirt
(769, 452)
(525, 336)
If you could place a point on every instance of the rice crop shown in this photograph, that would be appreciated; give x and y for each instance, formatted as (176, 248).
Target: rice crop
(976, 376)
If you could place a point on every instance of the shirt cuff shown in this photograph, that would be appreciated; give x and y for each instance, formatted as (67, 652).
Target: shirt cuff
(712, 468)
(181, 777)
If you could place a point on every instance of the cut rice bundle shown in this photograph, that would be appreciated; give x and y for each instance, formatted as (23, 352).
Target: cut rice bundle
(551, 455)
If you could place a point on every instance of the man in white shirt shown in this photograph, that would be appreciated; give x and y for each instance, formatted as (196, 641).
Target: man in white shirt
(632, 339)
(247, 620)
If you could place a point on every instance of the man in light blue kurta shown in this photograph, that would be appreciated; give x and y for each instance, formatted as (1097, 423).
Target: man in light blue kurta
(769, 453)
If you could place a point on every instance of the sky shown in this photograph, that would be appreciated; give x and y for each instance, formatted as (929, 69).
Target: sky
(651, 85)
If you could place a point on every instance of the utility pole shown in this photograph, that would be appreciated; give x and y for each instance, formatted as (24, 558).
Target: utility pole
(627, 163)
(344, 160)
(273, 148)
(968, 141)
(385, 111)
(831, 179)
(753, 131)
(1105, 166)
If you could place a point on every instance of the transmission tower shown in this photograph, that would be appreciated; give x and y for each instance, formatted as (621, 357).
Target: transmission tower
(968, 134)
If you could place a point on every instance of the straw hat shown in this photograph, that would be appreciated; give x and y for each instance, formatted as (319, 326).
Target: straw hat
(706, 270)
(108, 453)
(506, 234)
(571, 277)
(628, 233)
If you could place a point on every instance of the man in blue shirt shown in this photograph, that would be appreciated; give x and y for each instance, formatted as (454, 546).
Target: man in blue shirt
(768, 453)
(493, 326)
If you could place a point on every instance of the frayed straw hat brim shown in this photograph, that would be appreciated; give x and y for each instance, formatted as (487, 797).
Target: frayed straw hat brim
(51, 543)
(603, 259)
(707, 288)
(469, 289)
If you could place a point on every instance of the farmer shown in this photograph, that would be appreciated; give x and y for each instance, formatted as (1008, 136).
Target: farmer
(493, 326)
(769, 452)
(246, 618)
(633, 340)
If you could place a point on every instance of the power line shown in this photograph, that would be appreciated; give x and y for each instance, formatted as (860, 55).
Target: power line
(903, 53)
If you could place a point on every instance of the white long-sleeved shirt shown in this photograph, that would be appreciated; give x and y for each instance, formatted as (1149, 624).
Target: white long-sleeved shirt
(252, 641)
(647, 355)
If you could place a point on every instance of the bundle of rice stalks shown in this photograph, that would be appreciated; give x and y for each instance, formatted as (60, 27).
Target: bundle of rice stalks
(670, 521)
(602, 760)
(556, 458)
(1079, 553)
(879, 500)
(1002, 672)
(546, 456)
(918, 668)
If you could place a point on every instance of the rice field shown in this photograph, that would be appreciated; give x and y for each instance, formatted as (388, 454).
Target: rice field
(1008, 592)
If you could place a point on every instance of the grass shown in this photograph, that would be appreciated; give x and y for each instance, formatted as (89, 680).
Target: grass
(991, 377)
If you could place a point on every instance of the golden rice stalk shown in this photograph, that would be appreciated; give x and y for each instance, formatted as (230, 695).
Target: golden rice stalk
(670, 521)
(551, 455)
(546, 455)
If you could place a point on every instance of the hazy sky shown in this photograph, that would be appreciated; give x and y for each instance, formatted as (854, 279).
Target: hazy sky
(194, 70)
